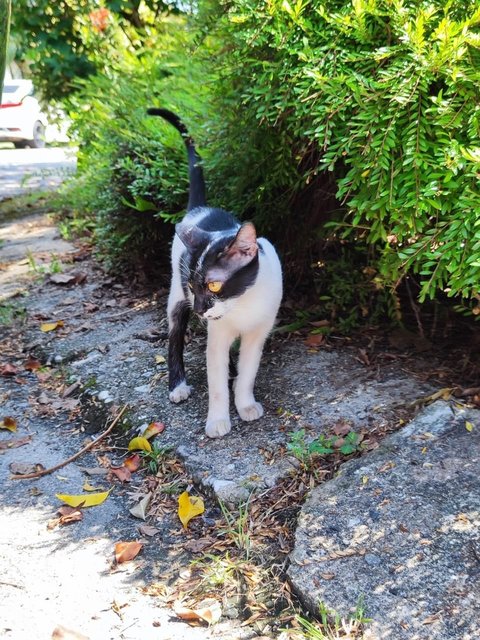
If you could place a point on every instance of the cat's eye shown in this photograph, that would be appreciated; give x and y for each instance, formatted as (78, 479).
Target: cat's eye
(190, 286)
(214, 287)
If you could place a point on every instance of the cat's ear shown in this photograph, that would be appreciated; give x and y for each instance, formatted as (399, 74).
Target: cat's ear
(191, 236)
(244, 247)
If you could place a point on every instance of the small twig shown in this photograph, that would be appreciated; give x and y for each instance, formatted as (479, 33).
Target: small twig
(11, 584)
(44, 472)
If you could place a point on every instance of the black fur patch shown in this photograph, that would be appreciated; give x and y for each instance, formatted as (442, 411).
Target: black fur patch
(176, 369)
(217, 220)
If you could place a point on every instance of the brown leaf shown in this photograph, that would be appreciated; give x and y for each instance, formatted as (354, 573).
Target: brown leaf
(125, 551)
(199, 545)
(8, 370)
(22, 468)
(61, 633)
(121, 473)
(147, 530)
(62, 278)
(90, 307)
(208, 610)
(32, 364)
(12, 444)
(68, 515)
(342, 428)
(314, 340)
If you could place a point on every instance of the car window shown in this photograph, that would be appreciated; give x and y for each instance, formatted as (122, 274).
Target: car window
(10, 88)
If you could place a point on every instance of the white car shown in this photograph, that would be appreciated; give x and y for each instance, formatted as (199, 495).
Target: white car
(21, 119)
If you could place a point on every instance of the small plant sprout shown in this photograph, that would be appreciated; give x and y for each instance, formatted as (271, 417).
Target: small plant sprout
(324, 445)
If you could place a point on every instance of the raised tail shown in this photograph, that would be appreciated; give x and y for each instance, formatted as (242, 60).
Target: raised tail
(196, 196)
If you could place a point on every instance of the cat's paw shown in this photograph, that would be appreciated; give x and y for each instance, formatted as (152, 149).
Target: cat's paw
(252, 412)
(180, 393)
(218, 428)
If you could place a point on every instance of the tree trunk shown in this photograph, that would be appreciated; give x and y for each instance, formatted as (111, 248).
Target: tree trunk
(5, 11)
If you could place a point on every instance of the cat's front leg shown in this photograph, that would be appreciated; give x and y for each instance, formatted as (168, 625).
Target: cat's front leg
(218, 349)
(250, 354)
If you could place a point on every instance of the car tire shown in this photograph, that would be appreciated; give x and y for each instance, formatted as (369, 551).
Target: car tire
(38, 140)
(21, 144)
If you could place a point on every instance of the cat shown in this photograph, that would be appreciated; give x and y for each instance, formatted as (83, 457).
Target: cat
(230, 278)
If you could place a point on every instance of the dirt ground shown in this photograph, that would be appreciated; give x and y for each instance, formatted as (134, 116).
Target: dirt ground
(63, 386)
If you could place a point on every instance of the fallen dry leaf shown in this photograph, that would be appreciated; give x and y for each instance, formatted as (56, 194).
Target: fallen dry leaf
(189, 507)
(67, 516)
(61, 633)
(314, 340)
(147, 530)
(45, 327)
(8, 370)
(125, 551)
(18, 442)
(32, 364)
(133, 462)
(83, 500)
(8, 423)
(208, 610)
(153, 429)
(22, 468)
(62, 278)
(88, 487)
(140, 509)
(139, 443)
(199, 545)
(121, 473)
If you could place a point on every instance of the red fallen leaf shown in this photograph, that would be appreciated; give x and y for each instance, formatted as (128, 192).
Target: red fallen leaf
(32, 364)
(8, 370)
(125, 551)
(153, 429)
(122, 473)
(133, 462)
(314, 340)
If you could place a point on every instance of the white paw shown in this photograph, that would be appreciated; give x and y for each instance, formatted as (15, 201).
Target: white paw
(252, 412)
(180, 393)
(218, 428)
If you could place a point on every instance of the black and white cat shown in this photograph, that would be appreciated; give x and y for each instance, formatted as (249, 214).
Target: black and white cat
(232, 279)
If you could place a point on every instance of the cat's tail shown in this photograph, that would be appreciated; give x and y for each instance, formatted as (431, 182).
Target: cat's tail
(196, 196)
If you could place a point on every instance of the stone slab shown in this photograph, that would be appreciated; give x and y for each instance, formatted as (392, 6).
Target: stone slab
(400, 529)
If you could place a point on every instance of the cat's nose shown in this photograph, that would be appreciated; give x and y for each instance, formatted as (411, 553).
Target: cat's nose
(199, 306)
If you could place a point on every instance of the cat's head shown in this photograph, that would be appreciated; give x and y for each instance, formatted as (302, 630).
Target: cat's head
(224, 264)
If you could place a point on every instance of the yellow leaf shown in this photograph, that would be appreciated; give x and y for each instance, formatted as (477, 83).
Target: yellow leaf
(83, 500)
(88, 487)
(8, 423)
(468, 426)
(159, 359)
(139, 443)
(189, 507)
(51, 326)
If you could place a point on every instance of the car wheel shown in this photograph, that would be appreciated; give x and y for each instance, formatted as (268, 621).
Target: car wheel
(38, 140)
(21, 144)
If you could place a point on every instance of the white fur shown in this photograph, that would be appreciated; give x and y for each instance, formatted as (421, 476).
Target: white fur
(251, 317)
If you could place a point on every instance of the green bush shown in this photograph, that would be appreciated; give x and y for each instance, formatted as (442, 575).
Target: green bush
(292, 103)
(132, 168)
(389, 92)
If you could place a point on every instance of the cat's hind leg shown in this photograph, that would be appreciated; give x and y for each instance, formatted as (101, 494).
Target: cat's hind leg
(178, 314)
